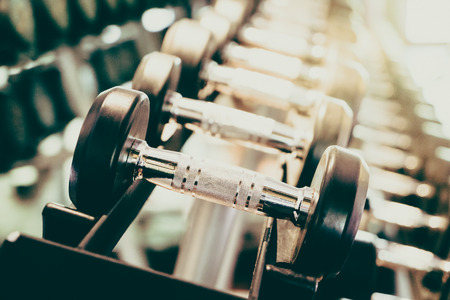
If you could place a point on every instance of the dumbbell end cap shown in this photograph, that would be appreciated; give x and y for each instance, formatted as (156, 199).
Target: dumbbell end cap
(341, 181)
(117, 117)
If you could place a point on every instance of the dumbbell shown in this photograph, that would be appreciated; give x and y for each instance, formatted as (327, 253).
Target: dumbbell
(237, 11)
(306, 21)
(406, 216)
(244, 84)
(18, 141)
(343, 79)
(413, 137)
(157, 76)
(406, 224)
(111, 153)
(291, 45)
(116, 53)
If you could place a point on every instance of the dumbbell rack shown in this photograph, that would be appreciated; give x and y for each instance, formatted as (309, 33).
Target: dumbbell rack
(58, 260)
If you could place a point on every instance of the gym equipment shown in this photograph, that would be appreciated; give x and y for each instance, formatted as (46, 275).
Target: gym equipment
(340, 78)
(157, 76)
(198, 69)
(111, 153)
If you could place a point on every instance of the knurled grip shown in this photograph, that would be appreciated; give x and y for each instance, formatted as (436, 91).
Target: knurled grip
(215, 182)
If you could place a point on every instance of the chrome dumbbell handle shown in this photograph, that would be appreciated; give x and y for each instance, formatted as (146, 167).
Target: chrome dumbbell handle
(395, 255)
(281, 43)
(261, 88)
(227, 185)
(269, 62)
(233, 124)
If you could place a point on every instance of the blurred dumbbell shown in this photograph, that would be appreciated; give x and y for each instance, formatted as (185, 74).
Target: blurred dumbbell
(405, 224)
(416, 153)
(328, 77)
(244, 84)
(197, 68)
(111, 153)
(15, 131)
(157, 76)
(58, 86)
(404, 189)
(29, 86)
(295, 18)
(116, 53)
(287, 44)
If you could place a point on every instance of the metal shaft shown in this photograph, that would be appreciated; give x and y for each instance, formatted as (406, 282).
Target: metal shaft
(269, 62)
(233, 124)
(226, 185)
(260, 88)
(281, 43)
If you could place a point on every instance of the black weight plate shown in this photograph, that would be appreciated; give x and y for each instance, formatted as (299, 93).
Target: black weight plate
(115, 63)
(332, 126)
(157, 74)
(358, 276)
(97, 179)
(17, 136)
(43, 107)
(341, 181)
(192, 43)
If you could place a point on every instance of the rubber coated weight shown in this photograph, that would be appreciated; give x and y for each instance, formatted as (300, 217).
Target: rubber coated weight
(116, 118)
(157, 74)
(342, 181)
(332, 126)
(193, 44)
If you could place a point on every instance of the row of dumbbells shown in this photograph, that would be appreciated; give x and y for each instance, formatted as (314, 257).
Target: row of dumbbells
(416, 212)
(112, 150)
(399, 132)
(414, 188)
(40, 96)
(117, 125)
(435, 171)
(32, 27)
